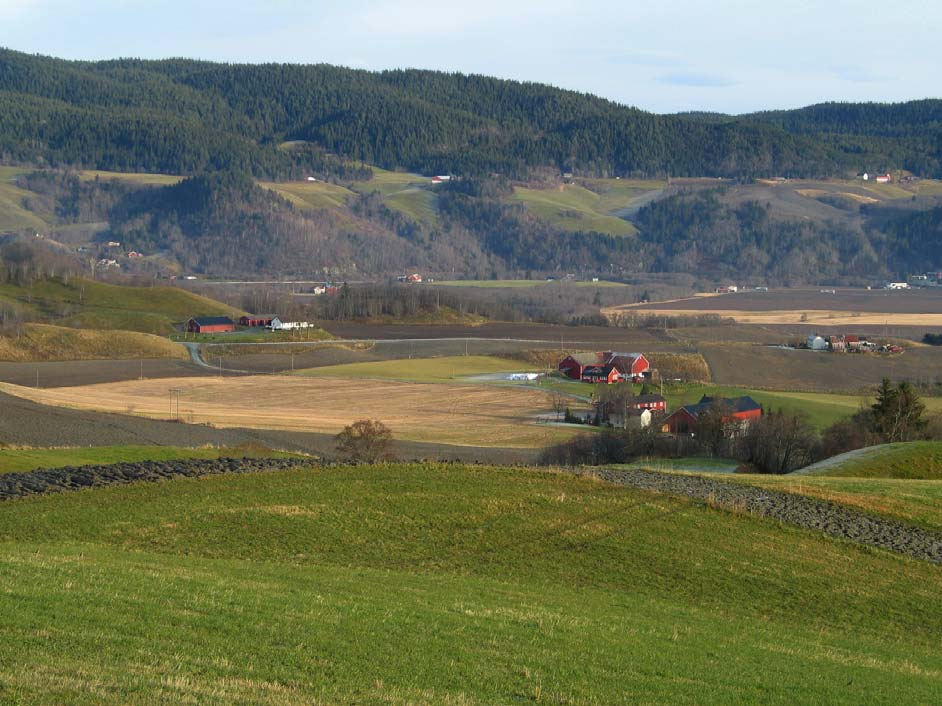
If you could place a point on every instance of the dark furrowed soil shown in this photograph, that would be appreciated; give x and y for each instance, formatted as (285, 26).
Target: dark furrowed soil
(808, 513)
(26, 423)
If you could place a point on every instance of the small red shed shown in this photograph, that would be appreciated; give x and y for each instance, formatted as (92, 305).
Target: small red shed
(256, 320)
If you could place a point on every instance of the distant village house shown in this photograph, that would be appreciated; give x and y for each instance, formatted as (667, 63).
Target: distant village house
(741, 411)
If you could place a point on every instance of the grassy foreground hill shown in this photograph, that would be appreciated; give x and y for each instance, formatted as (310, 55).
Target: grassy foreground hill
(425, 584)
(45, 342)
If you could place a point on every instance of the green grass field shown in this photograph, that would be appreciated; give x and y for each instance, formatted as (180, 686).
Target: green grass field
(22, 460)
(13, 214)
(423, 584)
(918, 460)
(914, 501)
(141, 178)
(311, 195)
(404, 192)
(89, 304)
(443, 369)
(255, 335)
(572, 208)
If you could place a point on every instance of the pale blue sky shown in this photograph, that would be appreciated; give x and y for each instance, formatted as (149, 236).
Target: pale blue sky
(725, 55)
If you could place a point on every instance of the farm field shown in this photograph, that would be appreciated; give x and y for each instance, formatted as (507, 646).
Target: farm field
(916, 502)
(22, 460)
(789, 369)
(845, 308)
(425, 584)
(308, 195)
(572, 208)
(471, 415)
(13, 214)
(141, 178)
(443, 369)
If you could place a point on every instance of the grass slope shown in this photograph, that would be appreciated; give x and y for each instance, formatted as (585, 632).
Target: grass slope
(311, 195)
(89, 304)
(416, 584)
(45, 342)
(22, 460)
(572, 208)
(914, 501)
(909, 460)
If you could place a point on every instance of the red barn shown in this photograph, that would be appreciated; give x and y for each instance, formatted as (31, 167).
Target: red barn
(572, 365)
(741, 410)
(210, 324)
(601, 373)
(256, 320)
(633, 366)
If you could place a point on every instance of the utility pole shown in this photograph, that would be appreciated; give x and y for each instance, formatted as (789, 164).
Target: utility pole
(37, 377)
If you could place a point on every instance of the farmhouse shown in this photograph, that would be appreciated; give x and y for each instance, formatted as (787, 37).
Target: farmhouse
(737, 410)
(210, 324)
(256, 320)
(655, 403)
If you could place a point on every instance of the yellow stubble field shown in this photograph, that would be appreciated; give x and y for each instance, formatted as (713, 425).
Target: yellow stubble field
(470, 415)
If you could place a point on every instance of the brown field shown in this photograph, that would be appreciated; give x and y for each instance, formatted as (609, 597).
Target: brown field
(454, 414)
(802, 370)
(846, 307)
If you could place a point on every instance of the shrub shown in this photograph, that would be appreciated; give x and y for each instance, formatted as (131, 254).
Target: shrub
(365, 441)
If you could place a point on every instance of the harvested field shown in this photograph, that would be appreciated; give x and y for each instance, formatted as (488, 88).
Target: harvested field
(26, 423)
(846, 307)
(464, 415)
(789, 369)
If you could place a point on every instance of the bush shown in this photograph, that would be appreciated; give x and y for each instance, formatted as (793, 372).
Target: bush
(365, 441)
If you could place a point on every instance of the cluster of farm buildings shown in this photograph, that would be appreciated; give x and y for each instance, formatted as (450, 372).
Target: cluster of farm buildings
(645, 410)
(224, 324)
(847, 343)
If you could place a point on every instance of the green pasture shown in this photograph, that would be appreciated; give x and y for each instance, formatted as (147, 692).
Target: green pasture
(13, 214)
(311, 195)
(522, 283)
(919, 460)
(90, 304)
(446, 584)
(573, 208)
(140, 178)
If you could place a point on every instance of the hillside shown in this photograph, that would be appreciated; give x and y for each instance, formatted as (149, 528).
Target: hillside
(183, 116)
(82, 303)
(44, 342)
(920, 460)
(425, 584)
(321, 171)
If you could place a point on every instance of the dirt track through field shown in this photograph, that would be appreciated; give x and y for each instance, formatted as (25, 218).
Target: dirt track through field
(809, 513)
(473, 415)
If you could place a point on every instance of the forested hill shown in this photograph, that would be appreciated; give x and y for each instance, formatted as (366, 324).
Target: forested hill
(280, 121)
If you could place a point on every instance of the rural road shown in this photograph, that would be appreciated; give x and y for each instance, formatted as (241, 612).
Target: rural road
(808, 513)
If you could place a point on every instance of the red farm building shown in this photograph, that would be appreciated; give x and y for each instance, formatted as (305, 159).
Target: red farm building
(572, 365)
(256, 320)
(210, 324)
(686, 420)
(632, 366)
(655, 403)
(601, 374)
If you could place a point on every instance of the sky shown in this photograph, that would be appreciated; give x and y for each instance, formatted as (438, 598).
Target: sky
(730, 56)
